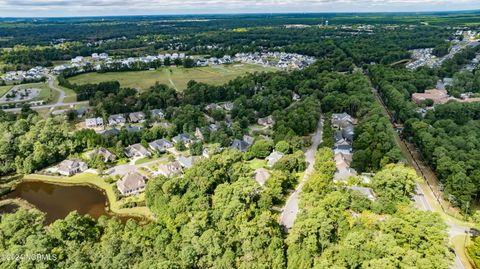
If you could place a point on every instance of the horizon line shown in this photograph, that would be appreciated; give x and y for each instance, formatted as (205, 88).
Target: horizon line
(245, 13)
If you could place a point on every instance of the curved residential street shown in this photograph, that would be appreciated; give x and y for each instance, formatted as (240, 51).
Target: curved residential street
(61, 97)
(60, 102)
(291, 208)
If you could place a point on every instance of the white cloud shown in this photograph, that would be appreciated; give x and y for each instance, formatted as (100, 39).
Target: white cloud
(126, 7)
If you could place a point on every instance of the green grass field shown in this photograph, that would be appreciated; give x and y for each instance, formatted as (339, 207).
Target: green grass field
(70, 95)
(176, 77)
(4, 90)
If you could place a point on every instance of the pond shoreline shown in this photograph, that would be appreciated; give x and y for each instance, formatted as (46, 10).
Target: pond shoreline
(111, 206)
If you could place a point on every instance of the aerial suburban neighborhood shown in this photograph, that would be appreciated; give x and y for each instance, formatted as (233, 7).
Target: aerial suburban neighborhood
(259, 138)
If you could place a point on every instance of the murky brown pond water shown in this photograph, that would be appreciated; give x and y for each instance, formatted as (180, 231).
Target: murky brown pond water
(57, 201)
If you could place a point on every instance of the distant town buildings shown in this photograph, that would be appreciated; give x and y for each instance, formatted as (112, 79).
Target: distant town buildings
(34, 74)
(280, 60)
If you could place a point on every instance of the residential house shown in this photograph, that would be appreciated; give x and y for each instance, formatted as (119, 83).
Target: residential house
(214, 127)
(185, 137)
(109, 132)
(94, 122)
(343, 162)
(348, 132)
(199, 134)
(343, 146)
(295, 97)
(212, 106)
(273, 158)
(117, 119)
(338, 136)
(267, 121)
(160, 145)
(106, 155)
(186, 162)
(133, 128)
(137, 150)
(261, 176)
(248, 139)
(228, 106)
(157, 114)
(136, 117)
(367, 192)
(71, 167)
(341, 120)
(206, 153)
(171, 169)
(240, 145)
(132, 183)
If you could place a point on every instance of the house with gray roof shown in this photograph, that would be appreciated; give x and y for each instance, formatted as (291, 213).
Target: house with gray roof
(340, 120)
(136, 117)
(117, 119)
(186, 162)
(240, 145)
(157, 114)
(348, 132)
(94, 122)
(273, 158)
(248, 139)
(343, 146)
(367, 192)
(109, 132)
(170, 170)
(132, 183)
(160, 145)
(137, 150)
(71, 167)
(107, 155)
(185, 137)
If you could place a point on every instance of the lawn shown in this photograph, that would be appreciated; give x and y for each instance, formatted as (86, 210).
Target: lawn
(176, 77)
(4, 90)
(257, 163)
(459, 243)
(70, 95)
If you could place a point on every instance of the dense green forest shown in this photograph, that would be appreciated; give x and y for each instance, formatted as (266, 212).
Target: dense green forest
(215, 216)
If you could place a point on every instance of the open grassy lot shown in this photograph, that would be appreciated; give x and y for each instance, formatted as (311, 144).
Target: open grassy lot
(70, 95)
(176, 77)
(4, 90)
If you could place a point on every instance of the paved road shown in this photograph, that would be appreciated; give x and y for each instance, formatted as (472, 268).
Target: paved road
(18, 109)
(419, 197)
(61, 97)
(290, 210)
(60, 102)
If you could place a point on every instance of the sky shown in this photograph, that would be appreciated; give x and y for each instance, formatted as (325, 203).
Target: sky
(70, 8)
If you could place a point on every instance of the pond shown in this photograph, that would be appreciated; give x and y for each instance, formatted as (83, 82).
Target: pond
(57, 201)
